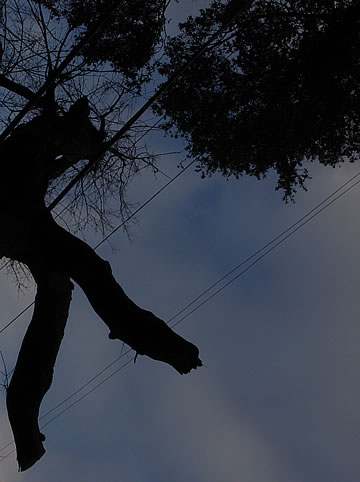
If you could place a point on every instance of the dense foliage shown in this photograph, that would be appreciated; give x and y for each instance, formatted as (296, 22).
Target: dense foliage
(128, 39)
(280, 86)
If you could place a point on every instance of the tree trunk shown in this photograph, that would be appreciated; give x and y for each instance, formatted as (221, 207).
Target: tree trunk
(35, 365)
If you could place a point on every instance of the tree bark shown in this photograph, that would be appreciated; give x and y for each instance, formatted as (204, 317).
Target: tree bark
(35, 365)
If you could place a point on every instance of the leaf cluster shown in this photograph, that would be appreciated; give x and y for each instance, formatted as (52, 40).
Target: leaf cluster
(127, 40)
(280, 86)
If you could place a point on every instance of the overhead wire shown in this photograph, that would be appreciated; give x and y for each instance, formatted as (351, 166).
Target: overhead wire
(151, 198)
(117, 228)
(280, 239)
(162, 89)
(230, 272)
(260, 257)
(2, 457)
(148, 201)
(263, 248)
(275, 242)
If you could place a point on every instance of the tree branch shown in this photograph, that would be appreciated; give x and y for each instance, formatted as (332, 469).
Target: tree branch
(35, 365)
(139, 328)
(15, 87)
(19, 89)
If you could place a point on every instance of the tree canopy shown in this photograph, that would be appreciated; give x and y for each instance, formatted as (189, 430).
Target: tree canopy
(278, 88)
(128, 38)
(281, 86)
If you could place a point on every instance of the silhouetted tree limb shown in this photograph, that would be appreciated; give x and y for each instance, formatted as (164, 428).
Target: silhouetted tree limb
(54, 249)
(16, 88)
(41, 150)
(35, 364)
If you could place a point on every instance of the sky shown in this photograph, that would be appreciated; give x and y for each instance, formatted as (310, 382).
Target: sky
(278, 397)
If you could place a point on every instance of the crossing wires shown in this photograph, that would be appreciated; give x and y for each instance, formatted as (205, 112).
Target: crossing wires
(119, 226)
(255, 258)
(241, 4)
(222, 283)
(200, 300)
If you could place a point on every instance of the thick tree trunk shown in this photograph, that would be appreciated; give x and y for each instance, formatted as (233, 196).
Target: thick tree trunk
(34, 368)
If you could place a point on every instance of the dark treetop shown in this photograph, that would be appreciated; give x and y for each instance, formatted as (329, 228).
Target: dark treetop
(281, 86)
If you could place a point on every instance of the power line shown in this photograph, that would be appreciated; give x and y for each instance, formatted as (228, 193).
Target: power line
(279, 239)
(114, 231)
(163, 88)
(236, 267)
(91, 390)
(77, 178)
(252, 256)
(3, 457)
(16, 317)
(257, 259)
(145, 204)
(289, 232)
(128, 124)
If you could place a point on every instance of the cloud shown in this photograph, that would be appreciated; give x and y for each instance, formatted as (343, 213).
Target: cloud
(279, 399)
(212, 439)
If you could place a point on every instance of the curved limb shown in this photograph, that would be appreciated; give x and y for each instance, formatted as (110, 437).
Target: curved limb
(140, 329)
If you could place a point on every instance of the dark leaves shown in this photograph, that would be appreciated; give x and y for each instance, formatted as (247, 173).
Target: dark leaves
(281, 87)
(128, 39)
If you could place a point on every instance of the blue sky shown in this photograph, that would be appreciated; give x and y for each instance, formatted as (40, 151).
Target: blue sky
(278, 398)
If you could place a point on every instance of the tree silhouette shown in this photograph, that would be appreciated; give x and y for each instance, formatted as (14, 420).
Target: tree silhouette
(39, 155)
(279, 86)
